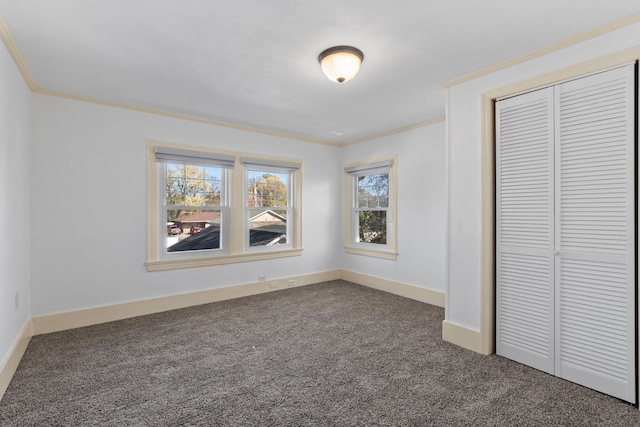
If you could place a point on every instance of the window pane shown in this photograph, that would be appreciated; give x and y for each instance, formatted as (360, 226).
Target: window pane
(189, 185)
(267, 227)
(266, 189)
(195, 185)
(212, 185)
(372, 227)
(175, 170)
(175, 191)
(363, 197)
(373, 201)
(193, 230)
(212, 173)
(212, 199)
(373, 190)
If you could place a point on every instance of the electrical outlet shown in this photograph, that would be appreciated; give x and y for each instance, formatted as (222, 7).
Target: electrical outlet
(274, 285)
(292, 282)
(17, 300)
(262, 278)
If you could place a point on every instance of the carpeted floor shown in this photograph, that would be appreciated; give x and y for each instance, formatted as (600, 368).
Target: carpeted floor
(331, 354)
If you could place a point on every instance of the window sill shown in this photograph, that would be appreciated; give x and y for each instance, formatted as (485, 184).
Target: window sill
(220, 260)
(384, 254)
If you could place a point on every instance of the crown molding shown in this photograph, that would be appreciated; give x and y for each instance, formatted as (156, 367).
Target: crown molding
(16, 54)
(231, 125)
(183, 117)
(394, 131)
(21, 64)
(571, 41)
(12, 47)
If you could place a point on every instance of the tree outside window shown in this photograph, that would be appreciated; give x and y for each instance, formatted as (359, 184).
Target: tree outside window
(371, 203)
(193, 197)
(268, 205)
(372, 206)
(207, 207)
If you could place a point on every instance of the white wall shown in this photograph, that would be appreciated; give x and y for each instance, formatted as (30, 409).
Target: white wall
(464, 165)
(89, 206)
(421, 207)
(15, 125)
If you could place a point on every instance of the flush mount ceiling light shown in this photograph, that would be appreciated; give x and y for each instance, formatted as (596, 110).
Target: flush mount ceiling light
(341, 63)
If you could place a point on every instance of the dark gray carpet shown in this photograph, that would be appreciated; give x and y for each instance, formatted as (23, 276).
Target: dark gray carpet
(328, 354)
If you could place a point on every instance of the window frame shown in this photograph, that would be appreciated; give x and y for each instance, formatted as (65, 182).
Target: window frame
(291, 181)
(234, 250)
(225, 220)
(352, 244)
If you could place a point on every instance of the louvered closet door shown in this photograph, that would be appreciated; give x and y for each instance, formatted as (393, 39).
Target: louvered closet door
(595, 234)
(524, 232)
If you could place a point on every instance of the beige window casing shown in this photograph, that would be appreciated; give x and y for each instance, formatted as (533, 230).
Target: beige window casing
(388, 251)
(235, 252)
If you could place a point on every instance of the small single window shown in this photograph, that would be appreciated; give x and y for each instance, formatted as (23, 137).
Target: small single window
(371, 206)
(370, 227)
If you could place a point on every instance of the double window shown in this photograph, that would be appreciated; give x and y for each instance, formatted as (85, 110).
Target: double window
(210, 208)
(370, 222)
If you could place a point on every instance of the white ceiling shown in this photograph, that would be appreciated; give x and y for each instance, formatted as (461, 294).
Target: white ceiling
(254, 62)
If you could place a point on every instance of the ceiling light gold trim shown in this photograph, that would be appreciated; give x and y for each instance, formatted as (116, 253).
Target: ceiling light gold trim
(597, 32)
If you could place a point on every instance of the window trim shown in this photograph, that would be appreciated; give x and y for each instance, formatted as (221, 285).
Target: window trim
(224, 209)
(276, 167)
(236, 253)
(388, 251)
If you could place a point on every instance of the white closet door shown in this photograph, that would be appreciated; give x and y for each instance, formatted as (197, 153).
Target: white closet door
(595, 232)
(524, 232)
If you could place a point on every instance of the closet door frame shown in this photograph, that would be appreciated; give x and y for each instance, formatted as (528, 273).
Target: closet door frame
(483, 340)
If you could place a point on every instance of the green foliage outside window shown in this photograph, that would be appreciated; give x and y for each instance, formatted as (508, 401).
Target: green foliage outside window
(267, 189)
(372, 205)
(189, 185)
(373, 227)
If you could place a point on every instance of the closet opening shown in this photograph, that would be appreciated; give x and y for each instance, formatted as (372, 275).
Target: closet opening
(564, 222)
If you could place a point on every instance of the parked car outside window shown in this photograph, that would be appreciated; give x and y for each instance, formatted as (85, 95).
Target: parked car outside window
(172, 230)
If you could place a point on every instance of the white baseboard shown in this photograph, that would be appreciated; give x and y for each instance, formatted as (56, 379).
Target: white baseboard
(93, 316)
(403, 289)
(11, 362)
(463, 337)
(96, 315)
